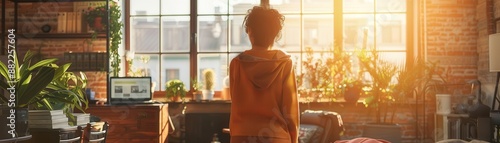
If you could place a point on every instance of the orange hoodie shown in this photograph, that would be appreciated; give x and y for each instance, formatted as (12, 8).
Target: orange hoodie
(263, 95)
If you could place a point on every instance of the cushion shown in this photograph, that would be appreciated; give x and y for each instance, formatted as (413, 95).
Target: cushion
(310, 133)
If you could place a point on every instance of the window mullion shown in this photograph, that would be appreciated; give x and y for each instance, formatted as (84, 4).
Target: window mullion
(193, 51)
(338, 26)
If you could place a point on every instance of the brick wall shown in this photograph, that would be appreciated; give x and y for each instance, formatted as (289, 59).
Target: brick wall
(34, 15)
(452, 32)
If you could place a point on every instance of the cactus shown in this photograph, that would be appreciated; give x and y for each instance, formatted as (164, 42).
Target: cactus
(209, 79)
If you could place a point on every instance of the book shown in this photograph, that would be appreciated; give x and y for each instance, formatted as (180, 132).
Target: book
(50, 126)
(81, 118)
(61, 22)
(48, 121)
(38, 117)
(45, 112)
(78, 22)
(70, 22)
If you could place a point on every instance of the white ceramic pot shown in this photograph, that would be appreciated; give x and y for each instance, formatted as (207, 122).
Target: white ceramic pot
(208, 95)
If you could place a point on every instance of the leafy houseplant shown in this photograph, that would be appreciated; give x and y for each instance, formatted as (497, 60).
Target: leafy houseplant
(175, 89)
(209, 83)
(382, 73)
(42, 85)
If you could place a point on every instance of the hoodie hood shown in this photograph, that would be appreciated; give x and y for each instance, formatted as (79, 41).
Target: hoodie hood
(263, 67)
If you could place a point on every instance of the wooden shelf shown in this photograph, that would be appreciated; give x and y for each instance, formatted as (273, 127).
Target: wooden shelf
(62, 35)
(54, 0)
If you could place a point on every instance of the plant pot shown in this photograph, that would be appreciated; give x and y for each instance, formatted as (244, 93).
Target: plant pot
(386, 131)
(198, 96)
(208, 95)
(20, 118)
(175, 99)
(351, 95)
(98, 27)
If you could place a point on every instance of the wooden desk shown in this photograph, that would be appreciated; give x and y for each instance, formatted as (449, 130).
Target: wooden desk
(142, 123)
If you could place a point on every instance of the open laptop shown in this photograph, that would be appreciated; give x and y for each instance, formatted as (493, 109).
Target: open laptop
(130, 90)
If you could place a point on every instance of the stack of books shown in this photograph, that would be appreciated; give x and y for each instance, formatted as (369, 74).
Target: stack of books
(51, 119)
(81, 118)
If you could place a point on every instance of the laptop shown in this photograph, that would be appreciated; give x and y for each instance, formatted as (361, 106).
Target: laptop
(130, 90)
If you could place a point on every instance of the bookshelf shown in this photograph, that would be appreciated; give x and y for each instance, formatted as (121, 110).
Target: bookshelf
(67, 35)
(74, 27)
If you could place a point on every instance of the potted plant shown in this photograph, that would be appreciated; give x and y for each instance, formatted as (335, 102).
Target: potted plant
(95, 17)
(381, 73)
(175, 90)
(34, 86)
(197, 94)
(352, 89)
(209, 83)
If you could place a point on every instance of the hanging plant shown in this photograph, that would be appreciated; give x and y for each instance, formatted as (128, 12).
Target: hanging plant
(115, 33)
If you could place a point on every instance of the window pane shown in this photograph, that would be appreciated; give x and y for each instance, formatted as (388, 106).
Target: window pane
(357, 28)
(175, 66)
(144, 34)
(391, 5)
(358, 5)
(292, 6)
(318, 31)
(239, 38)
(146, 65)
(318, 6)
(290, 34)
(212, 33)
(391, 31)
(241, 7)
(218, 63)
(144, 7)
(175, 6)
(212, 6)
(397, 58)
(175, 33)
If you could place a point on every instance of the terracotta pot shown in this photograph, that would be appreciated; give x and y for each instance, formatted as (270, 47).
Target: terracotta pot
(98, 24)
(352, 95)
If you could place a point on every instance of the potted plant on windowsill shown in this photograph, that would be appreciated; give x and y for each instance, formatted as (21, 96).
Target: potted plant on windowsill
(36, 86)
(380, 95)
(175, 90)
(197, 93)
(209, 83)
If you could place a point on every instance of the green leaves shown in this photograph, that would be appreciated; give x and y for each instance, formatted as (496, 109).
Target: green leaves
(174, 88)
(43, 85)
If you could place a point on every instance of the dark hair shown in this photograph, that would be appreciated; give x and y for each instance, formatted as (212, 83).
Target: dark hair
(265, 23)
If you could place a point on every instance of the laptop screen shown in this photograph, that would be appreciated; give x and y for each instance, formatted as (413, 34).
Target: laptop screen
(130, 89)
